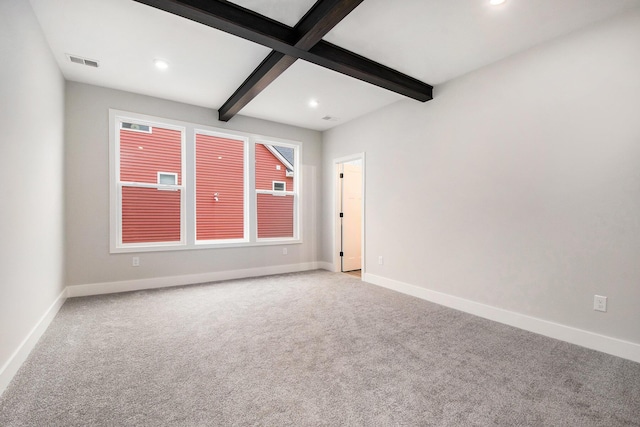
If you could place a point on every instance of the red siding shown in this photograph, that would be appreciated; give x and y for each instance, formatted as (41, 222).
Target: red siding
(219, 169)
(266, 171)
(275, 213)
(275, 216)
(143, 155)
(150, 215)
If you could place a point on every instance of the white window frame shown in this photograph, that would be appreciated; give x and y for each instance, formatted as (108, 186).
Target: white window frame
(187, 186)
(116, 118)
(295, 193)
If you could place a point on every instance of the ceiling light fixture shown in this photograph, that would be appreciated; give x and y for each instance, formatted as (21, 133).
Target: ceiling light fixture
(313, 103)
(160, 64)
(496, 2)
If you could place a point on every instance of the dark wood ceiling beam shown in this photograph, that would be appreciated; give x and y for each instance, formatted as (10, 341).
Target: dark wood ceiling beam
(320, 19)
(343, 61)
(273, 65)
(315, 24)
(241, 22)
(233, 19)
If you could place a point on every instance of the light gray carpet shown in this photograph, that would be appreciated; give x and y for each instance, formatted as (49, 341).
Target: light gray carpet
(306, 349)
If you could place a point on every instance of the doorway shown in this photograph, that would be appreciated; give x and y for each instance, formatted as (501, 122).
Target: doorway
(349, 214)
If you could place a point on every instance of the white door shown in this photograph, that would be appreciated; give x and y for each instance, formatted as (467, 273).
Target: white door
(352, 216)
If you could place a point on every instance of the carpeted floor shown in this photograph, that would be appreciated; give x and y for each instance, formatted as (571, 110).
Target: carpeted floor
(306, 349)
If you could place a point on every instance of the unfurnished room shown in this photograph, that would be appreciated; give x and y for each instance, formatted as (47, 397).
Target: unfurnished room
(320, 213)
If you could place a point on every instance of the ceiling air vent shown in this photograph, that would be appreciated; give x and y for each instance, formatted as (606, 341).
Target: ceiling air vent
(84, 61)
(330, 118)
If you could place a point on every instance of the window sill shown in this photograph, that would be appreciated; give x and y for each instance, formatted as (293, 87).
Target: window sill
(199, 246)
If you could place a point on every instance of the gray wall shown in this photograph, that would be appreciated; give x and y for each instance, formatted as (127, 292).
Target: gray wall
(31, 172)
(518, 186)
(87, 185)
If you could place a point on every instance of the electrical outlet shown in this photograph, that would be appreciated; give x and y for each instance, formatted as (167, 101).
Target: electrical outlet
(599, 303)
(284, 251)
(380, 260)
(135, 261)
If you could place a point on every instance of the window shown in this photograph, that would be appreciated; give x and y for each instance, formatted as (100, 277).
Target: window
(220, 187)
(177, 185)
(147, 216)
(135, 127)
(275, 191)
(167, 178)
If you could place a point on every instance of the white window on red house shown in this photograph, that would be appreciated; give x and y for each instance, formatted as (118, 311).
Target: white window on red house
(275, 191)
(220, 187)
(150, 159)
(167, 178)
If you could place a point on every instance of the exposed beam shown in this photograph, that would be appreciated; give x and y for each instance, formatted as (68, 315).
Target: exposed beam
(317, 22)
(351, 64)
(273, 65)
(241, 22)
(320, 19)
(232, 19)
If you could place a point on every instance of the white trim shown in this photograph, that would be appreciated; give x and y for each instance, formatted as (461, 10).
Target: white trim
(279, 156)
(150, 185)
(296, 193)
(594, 341)
(187, 279)
(188, 201)
(276, 192)
(116, 118)
(11, 367)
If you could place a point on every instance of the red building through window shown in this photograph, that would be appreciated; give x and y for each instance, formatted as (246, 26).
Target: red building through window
(275, 211)
(151, 186)
(150, 214)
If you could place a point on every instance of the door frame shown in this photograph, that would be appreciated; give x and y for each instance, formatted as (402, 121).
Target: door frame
(337, 235)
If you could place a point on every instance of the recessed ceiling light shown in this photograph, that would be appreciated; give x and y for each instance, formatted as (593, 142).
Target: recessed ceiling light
(313, 103)
(496, 2)
(161, 64)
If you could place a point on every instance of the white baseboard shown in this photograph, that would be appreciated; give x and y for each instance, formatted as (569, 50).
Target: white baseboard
(187, 279)
(10, 368)
(603, 343)
(326, 266)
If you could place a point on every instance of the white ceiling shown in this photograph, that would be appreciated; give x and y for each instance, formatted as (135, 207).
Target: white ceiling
(431, 40)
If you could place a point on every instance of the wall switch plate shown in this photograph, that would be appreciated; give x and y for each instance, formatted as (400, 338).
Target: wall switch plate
(284, 251)
(599, 303)
(135, 261)
(380, 260)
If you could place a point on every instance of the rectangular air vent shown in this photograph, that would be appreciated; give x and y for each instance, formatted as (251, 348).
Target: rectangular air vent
(84, 61)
